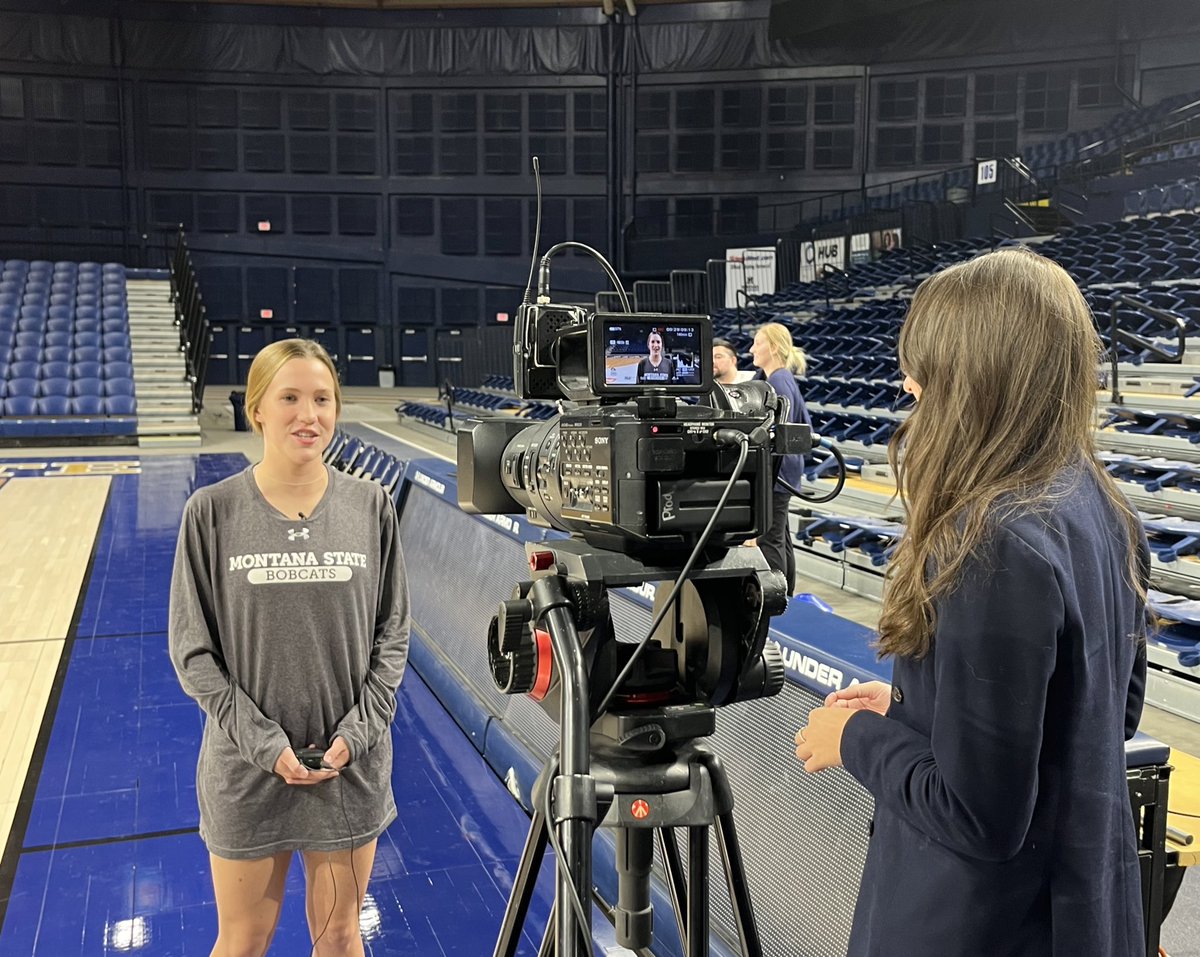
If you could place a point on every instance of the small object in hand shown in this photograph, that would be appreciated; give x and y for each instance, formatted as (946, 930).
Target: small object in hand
(313, 758)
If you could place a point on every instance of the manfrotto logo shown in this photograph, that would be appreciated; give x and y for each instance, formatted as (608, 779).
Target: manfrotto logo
(294, 534)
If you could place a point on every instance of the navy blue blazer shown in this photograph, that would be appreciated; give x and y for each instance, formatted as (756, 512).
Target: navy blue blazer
(1002, 814)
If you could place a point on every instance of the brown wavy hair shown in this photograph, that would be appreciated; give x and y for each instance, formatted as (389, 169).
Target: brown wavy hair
(1006, 352)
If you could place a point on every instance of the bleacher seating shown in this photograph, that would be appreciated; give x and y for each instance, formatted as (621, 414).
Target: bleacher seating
(352, 455)
(1044, 159)
(65, 354)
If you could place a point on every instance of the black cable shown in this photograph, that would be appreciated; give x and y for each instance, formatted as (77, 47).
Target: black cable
(537, 230)
(838, 486)
(743, 453)
(333, 877)
(576, 900)
(544, 272)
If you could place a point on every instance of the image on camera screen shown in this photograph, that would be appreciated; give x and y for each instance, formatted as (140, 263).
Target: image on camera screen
(648, 353)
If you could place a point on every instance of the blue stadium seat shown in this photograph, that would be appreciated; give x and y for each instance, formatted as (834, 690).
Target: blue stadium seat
(85, 354)
(1178, 197)
(86, 370)
(90, 386)
(120, 405)
(118, 370)
(55, 370)
(118, 354)
(22, 369)
(87, 405)
(118, 387)
(57, 386)
(59, 323)
(54, 405)
(114, 325)
(86, 324)
(84, 339)
(22, 386)
(56, 338)
(56, 354)
(31, 354)
(62, 298)
(20, 405)
(29, 339)
(115, 340)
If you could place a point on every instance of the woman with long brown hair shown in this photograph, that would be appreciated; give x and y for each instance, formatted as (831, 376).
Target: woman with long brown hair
(1015, 614)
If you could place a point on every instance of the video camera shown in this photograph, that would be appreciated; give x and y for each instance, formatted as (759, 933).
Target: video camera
(628, 465)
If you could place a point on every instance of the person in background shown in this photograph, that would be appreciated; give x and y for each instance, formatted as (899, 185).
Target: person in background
(724, 362)
(1015, 614)
(289, 627)
(781, 361)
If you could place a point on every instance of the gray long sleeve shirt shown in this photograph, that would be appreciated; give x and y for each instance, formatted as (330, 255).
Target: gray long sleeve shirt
(289, 633)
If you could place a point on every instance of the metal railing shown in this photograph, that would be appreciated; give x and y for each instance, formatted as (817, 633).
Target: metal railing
(195, 339)
(1172, 322)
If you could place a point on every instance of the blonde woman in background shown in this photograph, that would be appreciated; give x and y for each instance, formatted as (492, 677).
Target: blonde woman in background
(781, 361)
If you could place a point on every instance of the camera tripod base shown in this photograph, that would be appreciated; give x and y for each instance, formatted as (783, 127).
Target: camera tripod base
(643, 798)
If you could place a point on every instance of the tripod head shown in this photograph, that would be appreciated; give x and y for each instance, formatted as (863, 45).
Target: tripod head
(637, 710)
(709, 647)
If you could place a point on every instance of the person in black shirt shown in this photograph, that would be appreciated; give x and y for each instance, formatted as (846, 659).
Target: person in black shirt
(655, 368)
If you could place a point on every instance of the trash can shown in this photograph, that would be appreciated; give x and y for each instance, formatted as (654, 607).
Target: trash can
(238, 401)
(387, 377)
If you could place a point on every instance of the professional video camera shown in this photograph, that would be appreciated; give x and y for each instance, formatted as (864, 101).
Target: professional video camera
(628, 465)
(653, 489)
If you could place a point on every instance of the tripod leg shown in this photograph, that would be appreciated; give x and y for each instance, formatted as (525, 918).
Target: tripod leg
(697, 892)
(633, 918)
(674, 865)
(523, 886)
(547, 948)
(739, 894)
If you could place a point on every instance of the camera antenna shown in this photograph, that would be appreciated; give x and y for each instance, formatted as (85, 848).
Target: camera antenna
(537, 231)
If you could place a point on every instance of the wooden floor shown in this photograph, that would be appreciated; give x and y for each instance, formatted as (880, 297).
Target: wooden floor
(46, 538)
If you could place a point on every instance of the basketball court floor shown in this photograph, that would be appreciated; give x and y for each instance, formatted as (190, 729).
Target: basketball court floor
(98, 744)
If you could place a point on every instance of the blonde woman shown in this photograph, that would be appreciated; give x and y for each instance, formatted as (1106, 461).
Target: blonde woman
(781, 360)
(1015, 615)
(289, 627)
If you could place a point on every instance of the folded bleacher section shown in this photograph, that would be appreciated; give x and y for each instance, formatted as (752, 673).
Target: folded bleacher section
(494, 397)
(352, 455)
(66, 365)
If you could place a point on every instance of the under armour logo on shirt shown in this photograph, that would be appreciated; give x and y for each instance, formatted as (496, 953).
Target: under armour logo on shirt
(294, 534)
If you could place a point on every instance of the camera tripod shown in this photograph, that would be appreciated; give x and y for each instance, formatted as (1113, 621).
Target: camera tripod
(643, 801)
(637, 767)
